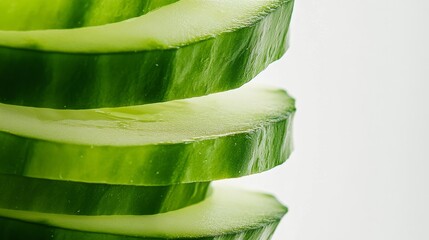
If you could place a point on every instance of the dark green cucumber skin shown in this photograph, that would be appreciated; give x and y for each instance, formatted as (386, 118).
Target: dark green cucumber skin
(230, 156)
(17, 230)
(80, 13)
(65, 197)
(79, 81)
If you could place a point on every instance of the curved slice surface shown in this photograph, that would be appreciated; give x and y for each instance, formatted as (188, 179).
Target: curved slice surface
(223, 135)
(171, 26)
(185, 49)
(226, 214)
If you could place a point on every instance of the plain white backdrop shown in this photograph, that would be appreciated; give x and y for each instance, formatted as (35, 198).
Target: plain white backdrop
(359, 71)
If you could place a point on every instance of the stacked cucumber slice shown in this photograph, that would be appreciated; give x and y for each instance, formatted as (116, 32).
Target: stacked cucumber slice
(184, 49)
(99, 135)
(226, 214)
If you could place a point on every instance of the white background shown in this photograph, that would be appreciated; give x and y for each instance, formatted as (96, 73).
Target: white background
(359, 71)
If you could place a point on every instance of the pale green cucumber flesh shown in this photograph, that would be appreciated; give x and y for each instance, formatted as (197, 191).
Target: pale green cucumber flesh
(39, 195)
(226, 59)
(226, 214)
(60, 14)
(223, 135)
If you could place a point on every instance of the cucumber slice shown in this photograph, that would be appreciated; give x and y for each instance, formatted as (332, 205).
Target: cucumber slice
(58, 14)
(226, 214)
(223, 135)
(67, 197)
(185, 49)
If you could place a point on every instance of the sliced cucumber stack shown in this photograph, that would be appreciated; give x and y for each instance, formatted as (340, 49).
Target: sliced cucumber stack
(99, 135)
(40, 195)
(184, 49)
(223, 135)
(226, 214)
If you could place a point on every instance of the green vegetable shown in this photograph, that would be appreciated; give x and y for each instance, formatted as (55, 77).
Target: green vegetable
(225, 215)
(40, 195)
(223, 135)
(40, 14)
(184, 49)
(115, 116)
